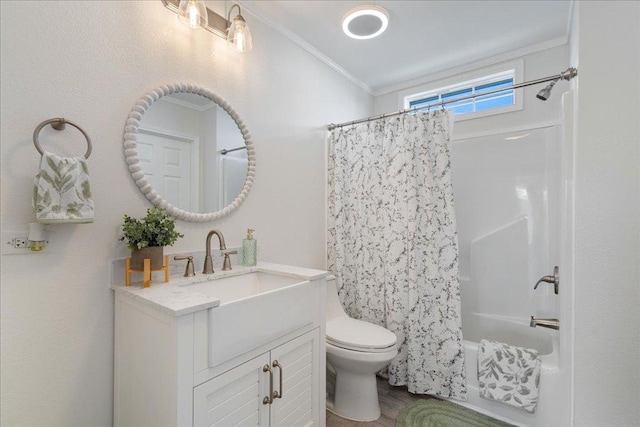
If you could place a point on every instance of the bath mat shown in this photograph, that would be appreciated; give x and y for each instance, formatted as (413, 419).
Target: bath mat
(439, 413)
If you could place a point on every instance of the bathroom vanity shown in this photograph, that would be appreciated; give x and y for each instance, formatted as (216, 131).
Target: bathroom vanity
(236, 347)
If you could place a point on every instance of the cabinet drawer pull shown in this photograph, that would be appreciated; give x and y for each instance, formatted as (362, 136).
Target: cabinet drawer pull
(276, 394)
(268, 399)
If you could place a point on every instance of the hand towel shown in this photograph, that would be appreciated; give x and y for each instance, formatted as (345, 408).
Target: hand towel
(509, 374)
(62, 193)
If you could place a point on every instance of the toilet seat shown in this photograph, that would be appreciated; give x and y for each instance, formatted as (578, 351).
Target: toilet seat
(356, 335)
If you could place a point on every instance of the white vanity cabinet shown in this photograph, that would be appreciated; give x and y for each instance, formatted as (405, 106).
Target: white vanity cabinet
(173, 365)
(278, 388)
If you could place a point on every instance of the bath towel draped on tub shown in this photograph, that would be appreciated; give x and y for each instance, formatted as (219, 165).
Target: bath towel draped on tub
(509, 374)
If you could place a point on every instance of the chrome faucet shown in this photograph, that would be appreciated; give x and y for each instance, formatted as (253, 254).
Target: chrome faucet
(545, 323)
(208, 261)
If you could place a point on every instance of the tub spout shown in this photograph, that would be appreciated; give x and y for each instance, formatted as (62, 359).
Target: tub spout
(545, 323)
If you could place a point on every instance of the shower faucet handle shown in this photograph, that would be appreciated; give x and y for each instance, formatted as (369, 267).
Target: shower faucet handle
(555, 279)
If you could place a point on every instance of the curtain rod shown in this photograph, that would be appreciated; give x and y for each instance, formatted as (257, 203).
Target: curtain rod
(568, 74)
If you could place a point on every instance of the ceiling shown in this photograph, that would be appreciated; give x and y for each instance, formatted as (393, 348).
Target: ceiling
(423, 37)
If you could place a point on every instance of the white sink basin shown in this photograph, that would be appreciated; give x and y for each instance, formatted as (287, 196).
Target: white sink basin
(255, 308)
(230, 289)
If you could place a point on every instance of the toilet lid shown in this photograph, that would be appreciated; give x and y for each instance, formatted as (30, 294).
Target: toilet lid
(358, 335)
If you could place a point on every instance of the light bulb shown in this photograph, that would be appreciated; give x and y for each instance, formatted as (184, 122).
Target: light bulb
(193, 13)
(239, 41)
(239, 35)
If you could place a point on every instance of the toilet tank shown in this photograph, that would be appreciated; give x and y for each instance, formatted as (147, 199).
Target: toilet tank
(334, 306)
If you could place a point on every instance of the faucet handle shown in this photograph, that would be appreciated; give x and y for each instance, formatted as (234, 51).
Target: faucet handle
(554, 279)
(189, 271)
(226, 265)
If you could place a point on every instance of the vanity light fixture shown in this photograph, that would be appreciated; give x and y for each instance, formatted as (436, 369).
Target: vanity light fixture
(194, 14)
(365, 22)
(239, 36)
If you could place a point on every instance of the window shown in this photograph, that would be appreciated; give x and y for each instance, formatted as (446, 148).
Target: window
(479, 106)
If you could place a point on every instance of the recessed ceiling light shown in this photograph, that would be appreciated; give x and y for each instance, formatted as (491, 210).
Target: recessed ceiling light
(365, 22)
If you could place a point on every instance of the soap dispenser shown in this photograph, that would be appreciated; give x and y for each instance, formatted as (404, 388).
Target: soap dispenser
(249, 249)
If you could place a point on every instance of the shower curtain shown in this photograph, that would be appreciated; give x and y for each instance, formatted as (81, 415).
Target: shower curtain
(392, 243)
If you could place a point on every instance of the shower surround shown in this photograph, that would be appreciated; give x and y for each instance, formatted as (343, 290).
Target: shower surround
(508, 192)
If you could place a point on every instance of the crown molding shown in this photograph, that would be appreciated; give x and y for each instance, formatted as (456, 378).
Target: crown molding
(306, 46)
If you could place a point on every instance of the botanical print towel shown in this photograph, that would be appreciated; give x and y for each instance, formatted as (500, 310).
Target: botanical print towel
(509, 374)
(61, 192)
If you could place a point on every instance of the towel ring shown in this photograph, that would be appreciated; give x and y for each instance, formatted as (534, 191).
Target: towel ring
(59, 123)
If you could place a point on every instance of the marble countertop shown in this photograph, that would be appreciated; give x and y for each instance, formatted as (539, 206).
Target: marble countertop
(176, 299)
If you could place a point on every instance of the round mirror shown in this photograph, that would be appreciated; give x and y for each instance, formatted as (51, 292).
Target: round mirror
(189, 152)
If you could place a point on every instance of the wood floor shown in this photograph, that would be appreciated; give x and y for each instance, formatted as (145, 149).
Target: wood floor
(392, 399)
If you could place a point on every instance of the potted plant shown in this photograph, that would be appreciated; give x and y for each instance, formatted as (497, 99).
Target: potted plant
(148, 236)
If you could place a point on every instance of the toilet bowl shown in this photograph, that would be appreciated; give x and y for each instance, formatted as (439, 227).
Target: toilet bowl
(356, 350)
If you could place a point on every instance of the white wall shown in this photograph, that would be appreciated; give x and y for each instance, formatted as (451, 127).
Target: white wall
(90, 62)
(607, 212)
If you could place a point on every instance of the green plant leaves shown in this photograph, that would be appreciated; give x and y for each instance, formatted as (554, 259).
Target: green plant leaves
(157, 228)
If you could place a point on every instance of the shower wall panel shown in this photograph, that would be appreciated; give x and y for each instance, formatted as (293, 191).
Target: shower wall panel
(507, 190)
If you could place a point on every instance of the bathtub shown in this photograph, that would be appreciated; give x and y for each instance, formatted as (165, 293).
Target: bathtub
(551, 411)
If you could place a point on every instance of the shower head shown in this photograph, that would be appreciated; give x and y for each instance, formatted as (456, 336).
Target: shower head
(546, 92)
(567, 75)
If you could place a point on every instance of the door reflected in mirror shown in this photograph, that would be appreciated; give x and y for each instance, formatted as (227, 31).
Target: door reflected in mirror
(192, 152)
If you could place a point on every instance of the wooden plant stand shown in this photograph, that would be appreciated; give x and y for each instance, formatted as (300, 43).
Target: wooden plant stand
(146, 271)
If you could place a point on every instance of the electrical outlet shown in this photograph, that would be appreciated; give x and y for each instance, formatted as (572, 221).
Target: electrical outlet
(19, 243)
(16, 243)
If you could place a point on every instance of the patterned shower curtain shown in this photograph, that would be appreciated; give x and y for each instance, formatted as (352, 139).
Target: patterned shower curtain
(392, 243)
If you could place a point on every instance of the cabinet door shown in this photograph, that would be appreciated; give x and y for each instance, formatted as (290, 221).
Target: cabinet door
(299, 371)
(234, 398)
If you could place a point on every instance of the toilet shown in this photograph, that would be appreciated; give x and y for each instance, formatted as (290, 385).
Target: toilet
(356, 350)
